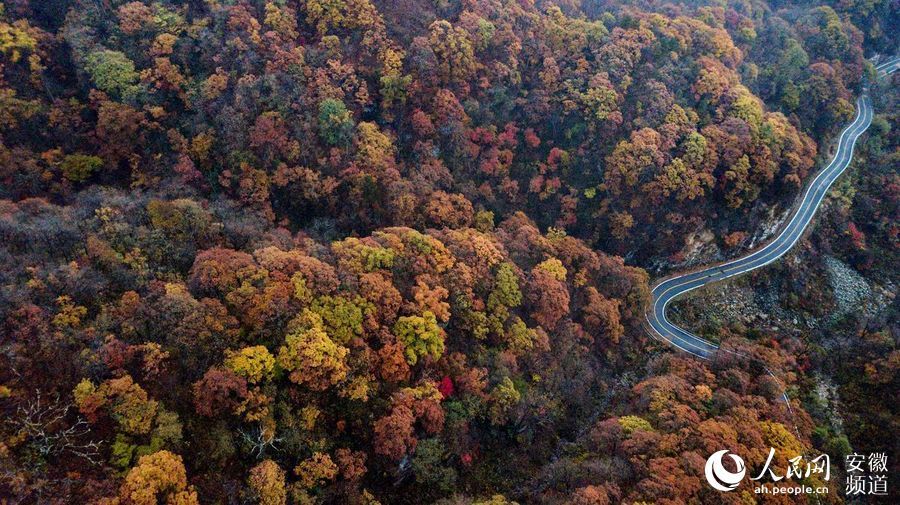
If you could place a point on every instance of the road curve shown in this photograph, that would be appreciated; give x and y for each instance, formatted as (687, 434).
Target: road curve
(673, 287)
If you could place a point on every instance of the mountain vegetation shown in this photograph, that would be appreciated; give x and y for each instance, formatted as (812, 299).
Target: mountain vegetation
(364, 251)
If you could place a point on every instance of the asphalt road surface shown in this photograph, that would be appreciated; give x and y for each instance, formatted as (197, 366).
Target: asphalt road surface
(673, 287)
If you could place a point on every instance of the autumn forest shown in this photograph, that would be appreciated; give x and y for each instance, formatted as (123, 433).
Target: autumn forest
(372, 251)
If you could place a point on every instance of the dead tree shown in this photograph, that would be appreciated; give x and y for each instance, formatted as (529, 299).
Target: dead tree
(50, 428)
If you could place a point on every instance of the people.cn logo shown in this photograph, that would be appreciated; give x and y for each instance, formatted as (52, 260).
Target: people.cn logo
(720, 478)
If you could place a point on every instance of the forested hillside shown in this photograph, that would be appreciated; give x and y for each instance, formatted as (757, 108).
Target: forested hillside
(354, 251)
(836, 298)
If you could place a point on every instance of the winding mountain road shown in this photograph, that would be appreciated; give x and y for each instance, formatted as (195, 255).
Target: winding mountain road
(673, 287)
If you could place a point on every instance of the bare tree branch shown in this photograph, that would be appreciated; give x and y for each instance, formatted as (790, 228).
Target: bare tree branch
(46, 428)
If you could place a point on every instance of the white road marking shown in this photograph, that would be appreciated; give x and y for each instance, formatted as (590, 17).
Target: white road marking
(788, 237)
